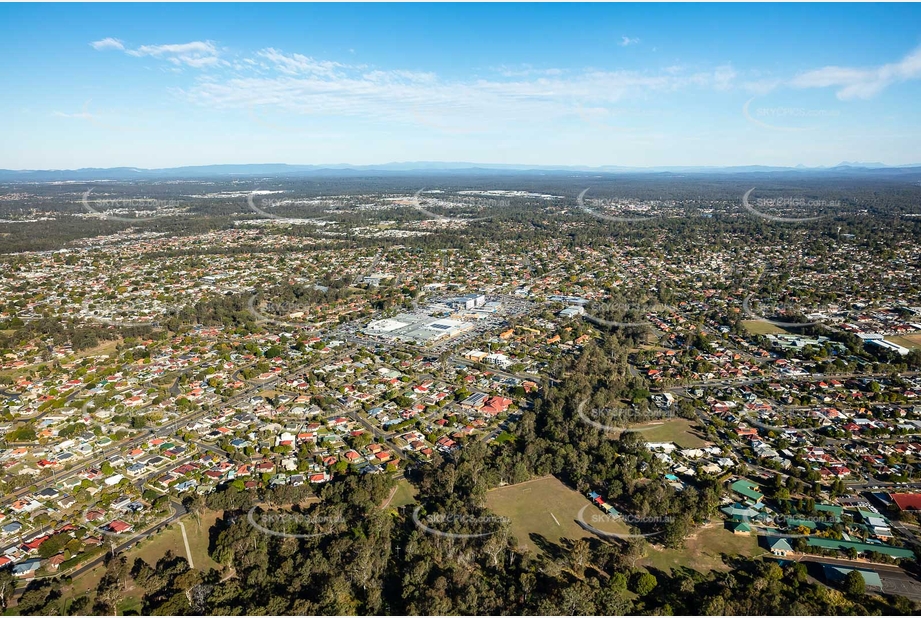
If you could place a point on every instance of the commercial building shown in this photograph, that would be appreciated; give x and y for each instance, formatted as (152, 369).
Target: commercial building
(573, 311)
(467, 301)
(419, 329)
(888, 345)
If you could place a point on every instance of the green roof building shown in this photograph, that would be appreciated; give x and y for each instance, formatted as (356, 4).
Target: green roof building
(780, 546)
(739, 527)
(887, 550)
(866, 515)
(746, 488)
(830, 510)
(738, 512)
(836, 574)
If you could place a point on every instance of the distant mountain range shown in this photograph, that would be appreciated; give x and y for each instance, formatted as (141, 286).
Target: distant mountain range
(429, 167)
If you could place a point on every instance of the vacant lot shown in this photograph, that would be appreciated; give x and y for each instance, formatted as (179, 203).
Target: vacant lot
(678, 430)
(760, 327)
(703, 550)
(548, 508)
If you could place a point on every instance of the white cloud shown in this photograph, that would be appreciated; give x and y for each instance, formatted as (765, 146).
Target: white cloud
(195, 47)
(297, 84)
(854, 83)
(525, 70)
(400, 76)
(761, 87)
(107, 43)
(723, 76)
(625, 40)
(297, 64)
(80, 115)
(196, 54)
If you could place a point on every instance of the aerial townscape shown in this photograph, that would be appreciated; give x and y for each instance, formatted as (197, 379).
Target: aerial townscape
(528, 387)
(417, 384)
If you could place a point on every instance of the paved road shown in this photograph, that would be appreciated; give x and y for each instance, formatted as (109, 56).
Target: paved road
(812, 377)
(98, 459)
(121, 545)
(377, 432)
(370, 270)
(178, 509)
(127, 443)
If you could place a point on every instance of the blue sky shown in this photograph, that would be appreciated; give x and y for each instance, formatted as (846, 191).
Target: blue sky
(141, 85)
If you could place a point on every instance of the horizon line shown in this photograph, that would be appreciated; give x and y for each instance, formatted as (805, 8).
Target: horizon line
(474, 165)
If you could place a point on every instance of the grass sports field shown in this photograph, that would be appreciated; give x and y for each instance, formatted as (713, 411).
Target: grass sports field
(760, 327)
(548, 508)
(908, 341)
(678, 430)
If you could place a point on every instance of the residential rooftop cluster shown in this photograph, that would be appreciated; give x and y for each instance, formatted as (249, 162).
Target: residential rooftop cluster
(267, 357)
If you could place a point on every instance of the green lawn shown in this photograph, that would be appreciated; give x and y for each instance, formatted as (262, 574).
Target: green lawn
(20, 371)
(131, 605)
(88, 581)
(547, 507)
(703, 550)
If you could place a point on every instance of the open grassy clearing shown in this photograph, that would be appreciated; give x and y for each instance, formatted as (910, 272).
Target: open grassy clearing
(88, 581)
(132, 604)
(547, 508)
(650, 347)
(908, 341)
(405, 494)
(106, 347)
(155, 547)
(703, 550)
(678, 430)
(86, 584)
(760, 327)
